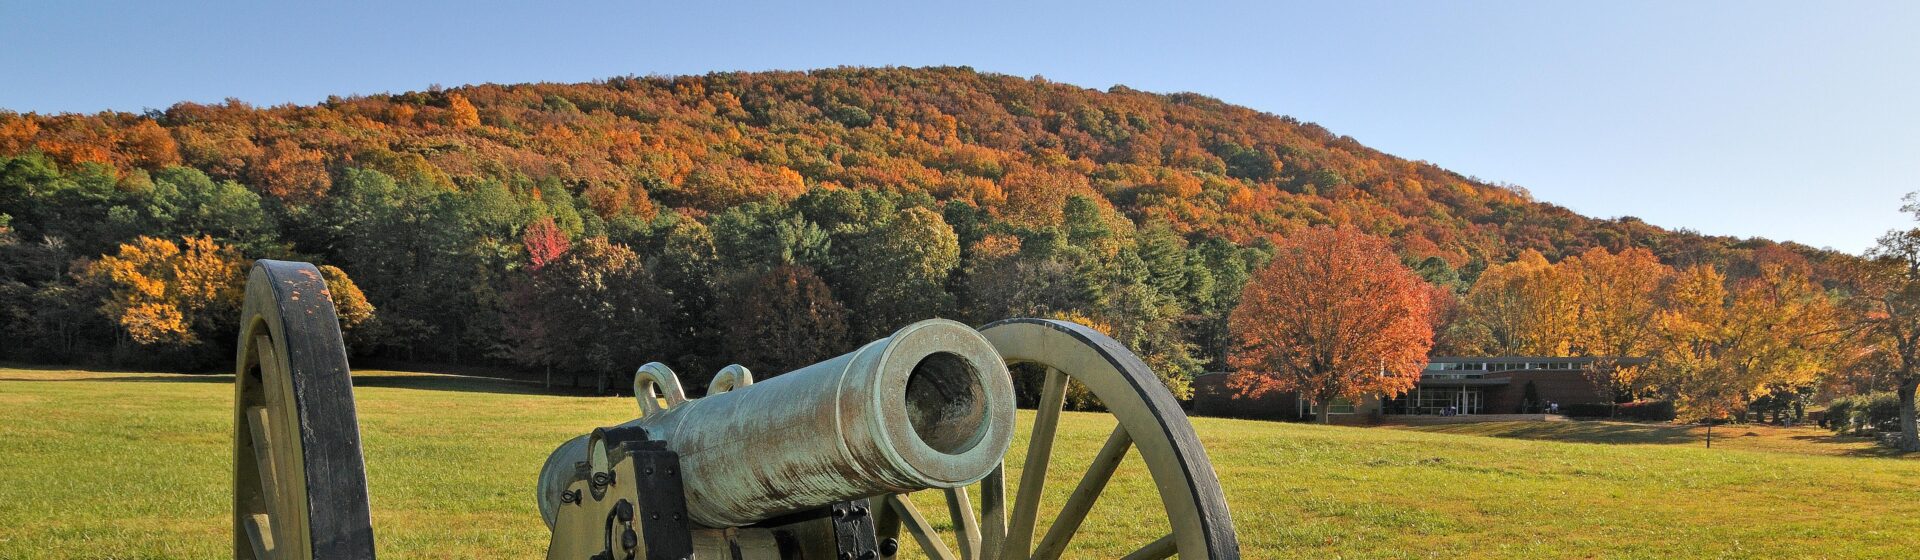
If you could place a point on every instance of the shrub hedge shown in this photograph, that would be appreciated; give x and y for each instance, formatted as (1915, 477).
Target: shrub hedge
(1652, 411)
(1872, 412)
(1587, 410)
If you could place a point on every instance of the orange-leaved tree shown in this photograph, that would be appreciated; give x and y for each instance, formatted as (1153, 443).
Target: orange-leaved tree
(1335, 315)
(461, 113)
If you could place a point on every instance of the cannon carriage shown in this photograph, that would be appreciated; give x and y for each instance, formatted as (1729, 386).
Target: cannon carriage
(835, 460)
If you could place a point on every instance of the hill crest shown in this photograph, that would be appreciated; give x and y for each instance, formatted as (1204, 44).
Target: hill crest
(1014, 146)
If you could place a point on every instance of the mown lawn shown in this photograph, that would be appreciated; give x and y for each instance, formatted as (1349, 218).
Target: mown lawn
(128, 465)
(1804, 439)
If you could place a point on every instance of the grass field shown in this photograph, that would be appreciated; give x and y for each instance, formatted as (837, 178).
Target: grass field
(129, 465)
(1809, 440)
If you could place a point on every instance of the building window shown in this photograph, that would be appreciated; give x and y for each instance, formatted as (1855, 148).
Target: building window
(1340, 405)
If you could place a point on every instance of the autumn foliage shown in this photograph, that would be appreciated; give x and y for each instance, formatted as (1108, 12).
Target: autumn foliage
(1335, 315)
(1722, 348)
(1714, 344)
(544, 242)
(1015, 147)
(1519, 308)
(1883, 316)
(349, 303)
(163, 292)
(586, 228)
(782, 320)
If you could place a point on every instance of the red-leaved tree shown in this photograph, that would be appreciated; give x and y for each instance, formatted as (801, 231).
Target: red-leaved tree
(1335, 315)
(544, 241)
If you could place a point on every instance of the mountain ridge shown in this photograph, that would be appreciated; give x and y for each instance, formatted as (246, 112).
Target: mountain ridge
(841, 203)
(1232, 171)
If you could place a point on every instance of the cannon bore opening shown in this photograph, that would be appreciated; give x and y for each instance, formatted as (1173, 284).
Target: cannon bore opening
(946, 404)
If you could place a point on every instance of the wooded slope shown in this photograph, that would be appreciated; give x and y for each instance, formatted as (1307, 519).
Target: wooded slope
(902, 193)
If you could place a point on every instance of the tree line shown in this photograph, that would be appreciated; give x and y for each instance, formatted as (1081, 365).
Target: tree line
(485, 276)
(766, 218)
(1338, 315)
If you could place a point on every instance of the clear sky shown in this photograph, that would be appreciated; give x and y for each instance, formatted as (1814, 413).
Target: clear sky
(1789, 120)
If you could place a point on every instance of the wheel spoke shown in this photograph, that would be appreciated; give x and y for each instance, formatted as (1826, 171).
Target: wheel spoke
(1198, 522)
(270, 373)
(260, 537)
(1033, 474)
(1075, 512)
(1163, 548)
(258, 425)
(960, 510)
(917, 525)
(993, 507)
(260, 421)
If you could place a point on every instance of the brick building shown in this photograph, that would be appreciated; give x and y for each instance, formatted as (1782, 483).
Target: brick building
(1457, 385)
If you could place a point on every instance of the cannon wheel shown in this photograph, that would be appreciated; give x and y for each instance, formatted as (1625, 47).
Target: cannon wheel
(299, 484)
(1150, 421)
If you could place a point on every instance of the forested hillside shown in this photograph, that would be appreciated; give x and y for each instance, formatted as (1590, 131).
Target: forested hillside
(769, 219)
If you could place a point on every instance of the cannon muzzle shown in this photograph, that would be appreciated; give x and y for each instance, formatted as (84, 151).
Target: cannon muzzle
(929, 407)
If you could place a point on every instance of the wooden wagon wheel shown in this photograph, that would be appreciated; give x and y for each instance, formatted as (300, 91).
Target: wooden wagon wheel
(299, 484)
(1149, 421)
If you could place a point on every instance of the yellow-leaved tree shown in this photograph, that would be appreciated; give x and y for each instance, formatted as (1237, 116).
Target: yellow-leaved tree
(356, 314)
(168, 294)
(1521, 308)
(1694, 340)
(460, 112)
(348, 302)
(1615, 298)
(1722, 348)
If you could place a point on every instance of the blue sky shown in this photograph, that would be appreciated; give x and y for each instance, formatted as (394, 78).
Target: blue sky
(1796, 121)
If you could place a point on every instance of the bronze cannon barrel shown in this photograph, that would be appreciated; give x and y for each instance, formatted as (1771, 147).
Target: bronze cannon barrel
(929, 407)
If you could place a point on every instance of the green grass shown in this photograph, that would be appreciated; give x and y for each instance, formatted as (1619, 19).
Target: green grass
(1806, 439)
(129, 465)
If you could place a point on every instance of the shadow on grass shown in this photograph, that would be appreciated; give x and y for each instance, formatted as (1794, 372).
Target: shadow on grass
(458, 383)
(1690, 434)
(1576, 431)
(422, 382)
(1839, 439)
(224, 378)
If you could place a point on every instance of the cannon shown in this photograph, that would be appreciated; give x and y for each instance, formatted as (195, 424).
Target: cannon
(830, 461)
